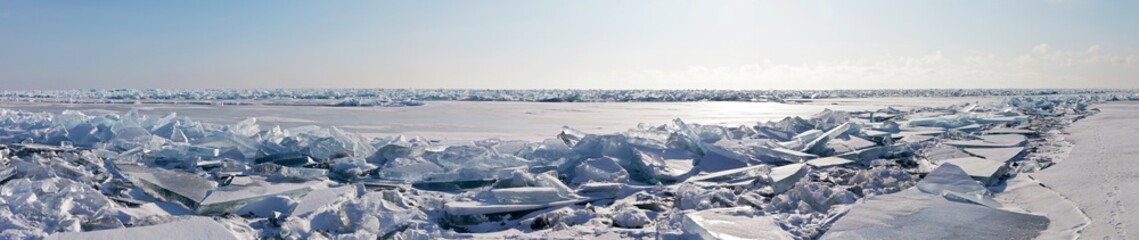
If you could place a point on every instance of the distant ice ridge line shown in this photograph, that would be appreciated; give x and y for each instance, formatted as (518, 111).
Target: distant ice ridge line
(415, 97)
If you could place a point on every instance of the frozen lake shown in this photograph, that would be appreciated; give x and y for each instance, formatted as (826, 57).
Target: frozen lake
(465, 121)
(456, 121)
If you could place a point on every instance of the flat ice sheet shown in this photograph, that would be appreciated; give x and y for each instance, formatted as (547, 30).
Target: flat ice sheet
(911, 214)
(461, 122)
(1101, 174)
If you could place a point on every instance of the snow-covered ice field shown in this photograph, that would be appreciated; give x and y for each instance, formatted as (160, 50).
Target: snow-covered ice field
(1101, 173)
(463, 121)
(837, 168)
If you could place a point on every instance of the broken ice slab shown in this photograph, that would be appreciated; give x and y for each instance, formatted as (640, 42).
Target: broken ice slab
(808, 136)
(1002, 120)
(604, 169)
(409, 169)
(830, 162)
(817, 145)
(865, 155)
(876, 134)
(245, 190)
(728, 224)
(784, 177)
(446, 186)
(289, 173)
(469, 208)
(184, 188)
(992, 141)
(784, 155)
(841, 146)
(527, 195)
(969, 128)
(188, 228)
(911, 214)
(942, 152)
(998, 154)
(952, 182)
(948, 121)
(988, 172)
(29, 148)
(598, 189)
(380, 184)
(653, 166)
(6, 173)
(292, 159)
(997, 131)
(744, 174)
(316, 199)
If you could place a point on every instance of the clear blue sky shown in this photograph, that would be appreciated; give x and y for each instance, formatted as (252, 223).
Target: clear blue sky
(568, 44)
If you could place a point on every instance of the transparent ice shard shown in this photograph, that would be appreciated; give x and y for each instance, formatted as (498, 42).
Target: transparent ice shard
(652, 166)
(605, 169)
(784, 177)
(245, 128)
(183, 188)
(728, 224)
(734, 175)
(244, 190)
(571, 136)
(287, 159)
(349, 169)
(323, 198)
(340, 144)
(409, 169)
(278, 172)
(948, 121)
(172, 131)
(550, 150)
(828, 119)
(820, 143)
(84, 134)
(186, 228)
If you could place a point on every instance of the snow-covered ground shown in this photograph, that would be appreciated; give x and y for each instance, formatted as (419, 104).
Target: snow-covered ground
(887, 168)
(1101, 173)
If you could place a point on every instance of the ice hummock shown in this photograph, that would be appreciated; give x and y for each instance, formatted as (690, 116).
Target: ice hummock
(799, 175)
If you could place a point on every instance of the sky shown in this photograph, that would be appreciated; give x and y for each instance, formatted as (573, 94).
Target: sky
(595, 44)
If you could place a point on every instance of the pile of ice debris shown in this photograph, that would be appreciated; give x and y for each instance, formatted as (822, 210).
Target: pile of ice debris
(836, 175)
(416, 97)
